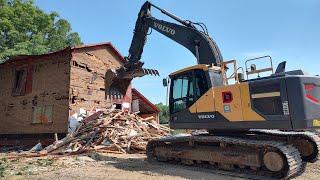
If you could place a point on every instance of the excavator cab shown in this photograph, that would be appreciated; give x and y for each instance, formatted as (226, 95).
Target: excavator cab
(186, 88)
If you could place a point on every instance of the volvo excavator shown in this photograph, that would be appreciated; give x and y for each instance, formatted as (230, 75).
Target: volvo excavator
(261, 126)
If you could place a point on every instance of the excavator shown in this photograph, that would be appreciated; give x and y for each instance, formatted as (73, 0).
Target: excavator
(261, 126)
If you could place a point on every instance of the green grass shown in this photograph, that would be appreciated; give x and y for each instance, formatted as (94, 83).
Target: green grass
(3, 166)
(44, 162)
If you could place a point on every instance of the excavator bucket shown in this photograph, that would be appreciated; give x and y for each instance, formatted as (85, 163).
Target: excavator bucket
(115, 85)
(117, 81)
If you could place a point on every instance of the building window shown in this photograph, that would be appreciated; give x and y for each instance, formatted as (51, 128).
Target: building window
(22, 83)
(42, 114)
(19, 86)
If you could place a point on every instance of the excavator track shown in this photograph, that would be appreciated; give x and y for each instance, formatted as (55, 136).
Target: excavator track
(308, 143)
(273, 159)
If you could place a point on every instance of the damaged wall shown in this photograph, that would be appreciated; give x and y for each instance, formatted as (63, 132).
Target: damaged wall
(87, 84)
(34, 94)
(38, 93)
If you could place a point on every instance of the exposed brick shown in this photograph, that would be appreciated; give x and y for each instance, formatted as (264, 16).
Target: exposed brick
(67, 80)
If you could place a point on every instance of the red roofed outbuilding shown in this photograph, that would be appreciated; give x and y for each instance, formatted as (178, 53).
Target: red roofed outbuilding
(144, 106)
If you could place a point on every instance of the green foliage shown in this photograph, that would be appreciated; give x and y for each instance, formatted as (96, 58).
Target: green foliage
(3, 165)
(26, 29)
(164, 113)
(2, 169)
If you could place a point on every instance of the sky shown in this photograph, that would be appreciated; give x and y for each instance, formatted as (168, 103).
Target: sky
(287, 30)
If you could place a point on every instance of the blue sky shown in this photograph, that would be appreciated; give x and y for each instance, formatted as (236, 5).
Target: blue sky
(287, 30)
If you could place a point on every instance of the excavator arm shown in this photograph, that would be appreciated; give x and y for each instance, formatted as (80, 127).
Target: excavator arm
(186, 33)
(196, 41)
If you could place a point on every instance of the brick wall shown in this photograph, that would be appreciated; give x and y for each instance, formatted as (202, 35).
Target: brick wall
(87, 84)
(57, 85)
(44, 107)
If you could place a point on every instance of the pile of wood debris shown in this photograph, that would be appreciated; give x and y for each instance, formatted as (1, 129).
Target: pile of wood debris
(111, 131)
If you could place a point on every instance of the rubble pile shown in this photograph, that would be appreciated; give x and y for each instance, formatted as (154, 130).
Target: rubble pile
(111, 131)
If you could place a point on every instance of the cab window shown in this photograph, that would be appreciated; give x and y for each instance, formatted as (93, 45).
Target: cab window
(182, 92)
(216, 78)
(201, 84)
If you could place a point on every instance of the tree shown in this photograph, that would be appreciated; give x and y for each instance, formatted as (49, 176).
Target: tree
(164, 113)
(26, 29)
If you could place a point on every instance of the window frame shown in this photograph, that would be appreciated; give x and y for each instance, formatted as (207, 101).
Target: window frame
(206, 82)
(215, 78)
(20, 82)
(186, 100)
(23, 86)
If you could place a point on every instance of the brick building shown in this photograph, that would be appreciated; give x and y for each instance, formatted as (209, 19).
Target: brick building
(39, 92)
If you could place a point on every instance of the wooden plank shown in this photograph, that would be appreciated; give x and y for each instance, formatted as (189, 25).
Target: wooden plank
(92, 117)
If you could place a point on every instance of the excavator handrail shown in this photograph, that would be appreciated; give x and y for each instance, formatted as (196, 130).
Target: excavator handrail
(261, 70)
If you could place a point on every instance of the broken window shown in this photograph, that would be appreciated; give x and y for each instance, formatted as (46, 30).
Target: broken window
(81, 66)
(22, 83)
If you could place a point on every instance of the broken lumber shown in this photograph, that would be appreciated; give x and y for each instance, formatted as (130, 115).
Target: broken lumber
(109, 131)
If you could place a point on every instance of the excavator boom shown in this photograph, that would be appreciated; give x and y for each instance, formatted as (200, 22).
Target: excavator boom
(185, 34)
(198, 42)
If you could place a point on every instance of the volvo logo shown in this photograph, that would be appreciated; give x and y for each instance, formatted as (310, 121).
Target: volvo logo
(209, 116)
(164, 28)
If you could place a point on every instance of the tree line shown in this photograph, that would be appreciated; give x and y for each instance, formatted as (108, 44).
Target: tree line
(26, 29)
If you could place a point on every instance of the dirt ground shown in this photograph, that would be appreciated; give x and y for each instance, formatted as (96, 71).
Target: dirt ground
(114, 166)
